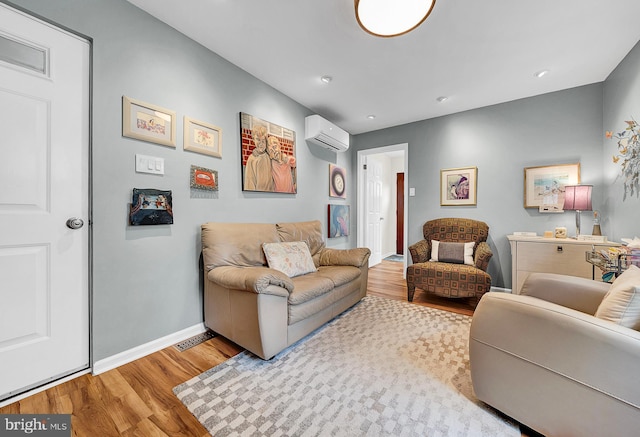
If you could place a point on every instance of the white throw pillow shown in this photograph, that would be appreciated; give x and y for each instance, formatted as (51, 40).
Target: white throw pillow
(291, 258)
(621, 304)
(458, 253)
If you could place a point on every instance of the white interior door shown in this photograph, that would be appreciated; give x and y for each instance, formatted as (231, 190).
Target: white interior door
(44, 158)
(373, 206)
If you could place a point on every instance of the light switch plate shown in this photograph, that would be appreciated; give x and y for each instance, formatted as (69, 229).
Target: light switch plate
(149, 164)
(412, 191)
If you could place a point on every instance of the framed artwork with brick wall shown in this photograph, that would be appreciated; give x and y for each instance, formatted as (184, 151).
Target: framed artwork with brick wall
(268, 156)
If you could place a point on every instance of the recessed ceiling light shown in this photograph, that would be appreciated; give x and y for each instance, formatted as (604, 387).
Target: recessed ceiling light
(326, 79)
(371, 117)
(541, 73)
(442, 99)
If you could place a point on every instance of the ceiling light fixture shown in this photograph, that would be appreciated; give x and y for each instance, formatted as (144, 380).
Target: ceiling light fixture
(442, 99)
(388, 18)
(326, 79)
(371, 117)
(541, 73)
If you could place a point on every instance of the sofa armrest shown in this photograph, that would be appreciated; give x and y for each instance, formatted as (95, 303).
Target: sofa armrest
(420, 252)
(549, 344)
(357, 257)
(254, 279)
(580, 294)
(483, 256)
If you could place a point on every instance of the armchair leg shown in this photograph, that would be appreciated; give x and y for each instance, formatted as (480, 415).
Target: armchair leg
(411, 289)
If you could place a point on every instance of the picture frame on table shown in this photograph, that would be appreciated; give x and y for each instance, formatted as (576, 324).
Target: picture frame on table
(544, 185)
(202, 137)
(147, 122)
(458, 186)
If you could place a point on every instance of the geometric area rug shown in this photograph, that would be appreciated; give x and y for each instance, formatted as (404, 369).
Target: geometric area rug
(382, 368)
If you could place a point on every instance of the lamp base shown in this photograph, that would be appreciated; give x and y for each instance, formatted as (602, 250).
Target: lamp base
(596, 230)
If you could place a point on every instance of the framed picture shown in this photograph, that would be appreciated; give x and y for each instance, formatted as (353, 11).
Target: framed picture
(337, 181)
(203, 178)
(151, 207)
(338, 221)
(201, 137)
(268, 156)
(458, 186)
(544, 185)
(147, 122)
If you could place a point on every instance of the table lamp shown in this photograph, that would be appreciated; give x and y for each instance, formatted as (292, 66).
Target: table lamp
(577, 198)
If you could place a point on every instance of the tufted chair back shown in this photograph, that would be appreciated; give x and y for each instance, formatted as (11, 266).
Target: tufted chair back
(456, 230)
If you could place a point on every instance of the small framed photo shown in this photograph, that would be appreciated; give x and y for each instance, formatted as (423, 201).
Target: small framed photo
(147, 122)
(204, 179)
(151, 207)
(337, 181)
(544, 185)
(338, 221)
(201, 137)
(458, 186)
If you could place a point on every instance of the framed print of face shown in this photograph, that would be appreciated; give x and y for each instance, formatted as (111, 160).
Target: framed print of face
(458, 186)
(337, 181)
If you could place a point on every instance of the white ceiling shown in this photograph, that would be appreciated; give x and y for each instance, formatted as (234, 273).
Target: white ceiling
(476, 52)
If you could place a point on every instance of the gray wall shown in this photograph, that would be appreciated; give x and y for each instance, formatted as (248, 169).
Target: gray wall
(621, 102)
(146, 282)
(501, 140)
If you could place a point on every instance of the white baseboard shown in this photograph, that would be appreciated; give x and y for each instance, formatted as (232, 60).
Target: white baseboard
(137, 352)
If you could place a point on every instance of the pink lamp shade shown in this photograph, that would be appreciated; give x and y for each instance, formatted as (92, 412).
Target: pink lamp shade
(577, 197)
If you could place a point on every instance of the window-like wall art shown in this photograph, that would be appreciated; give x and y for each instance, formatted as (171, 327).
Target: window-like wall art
(458, 186)
(544, 185)
(268, 156)
(147, 122)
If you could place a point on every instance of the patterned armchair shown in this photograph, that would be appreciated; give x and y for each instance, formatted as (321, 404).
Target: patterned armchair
(451, 279)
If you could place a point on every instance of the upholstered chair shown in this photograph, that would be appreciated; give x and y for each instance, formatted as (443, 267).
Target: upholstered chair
(451, 270)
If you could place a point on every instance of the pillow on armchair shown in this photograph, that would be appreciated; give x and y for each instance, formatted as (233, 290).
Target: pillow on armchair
(457, 253)
(621, 304)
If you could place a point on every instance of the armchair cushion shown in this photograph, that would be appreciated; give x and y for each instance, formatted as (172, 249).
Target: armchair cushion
(621, 304)
(291, 258)
(457, 253)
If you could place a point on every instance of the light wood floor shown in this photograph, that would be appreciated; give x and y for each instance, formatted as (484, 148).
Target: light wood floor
(136, 399)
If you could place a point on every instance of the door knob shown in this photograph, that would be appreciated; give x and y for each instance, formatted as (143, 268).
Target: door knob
(75, 223)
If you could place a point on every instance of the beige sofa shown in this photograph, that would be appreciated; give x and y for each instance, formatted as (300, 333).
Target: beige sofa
(263, 309)
(543, 358)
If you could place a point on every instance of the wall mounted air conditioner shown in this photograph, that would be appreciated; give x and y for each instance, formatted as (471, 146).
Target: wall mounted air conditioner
(326, 134)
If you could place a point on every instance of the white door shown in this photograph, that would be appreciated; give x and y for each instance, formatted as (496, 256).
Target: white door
(44, 158)
(373, 206)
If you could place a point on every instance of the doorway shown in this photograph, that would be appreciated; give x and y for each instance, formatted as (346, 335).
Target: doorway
(377, 215)
(44, 202)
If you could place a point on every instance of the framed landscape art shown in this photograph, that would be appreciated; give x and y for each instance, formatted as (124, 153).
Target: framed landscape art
(544, 185)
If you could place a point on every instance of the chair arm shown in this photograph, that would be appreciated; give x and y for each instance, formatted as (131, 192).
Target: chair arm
(550, 341)
(420, 252)
(483, 255)
(344, 257)
(580, 294)
(253, 279)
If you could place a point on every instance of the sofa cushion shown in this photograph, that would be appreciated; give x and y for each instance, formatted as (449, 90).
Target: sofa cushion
(235, 244)
(339, 275)
(621, 304)
(291, 258)
(448, 252)
(309, 232)
(308, 287)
